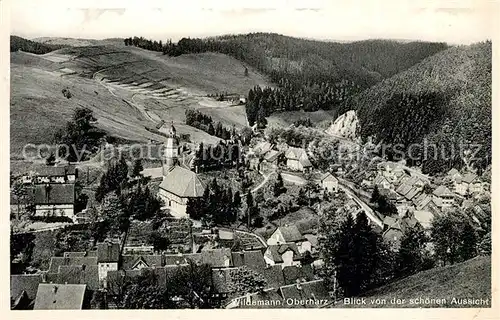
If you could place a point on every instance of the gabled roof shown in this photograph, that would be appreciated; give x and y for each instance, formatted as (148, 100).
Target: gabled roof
(272, 155)
(130, 262)
(57, 193)
(24, 282)
(60, 296)
(216, 257)
(320, 177)
(183, 183)
(412, 193)
(80, 254)
(56, 262)
(278, 250)
(108, 252)
(262, 147)
(442, 191)
(292, 274)
(222, 279)
(299, 154)
(453, 172)
(75, 274)
(290, 233)
(274, 276)
(307, 290)
(469, 177)
(379, 179)
(252, 259)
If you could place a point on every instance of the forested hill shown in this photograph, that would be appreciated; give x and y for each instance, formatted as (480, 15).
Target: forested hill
(311, 75)
(18, 43)
(446, 99)
(363, 62)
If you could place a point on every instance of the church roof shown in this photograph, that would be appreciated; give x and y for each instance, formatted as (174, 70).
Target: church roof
(183, 183)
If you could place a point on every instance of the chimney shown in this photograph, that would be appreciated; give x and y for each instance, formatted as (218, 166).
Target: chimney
(54, 289)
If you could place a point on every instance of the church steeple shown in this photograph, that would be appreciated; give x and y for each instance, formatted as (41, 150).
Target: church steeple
(171, 150)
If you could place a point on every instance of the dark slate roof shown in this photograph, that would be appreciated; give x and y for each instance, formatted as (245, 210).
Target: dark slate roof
(57, 193)
(129, 261)
(307, 290)
(75, 274)
(24, 282)
(108, 252)
(291, 233)
(274, 276)
(80, 254)
(183, 183)
(55, 171)
(252, 259)
(221, 279)
(293, 273)
(216, 257)
(278, 250)
(60, 296)
(55, 262)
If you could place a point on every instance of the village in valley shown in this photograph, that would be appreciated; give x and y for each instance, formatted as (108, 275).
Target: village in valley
(211, 173)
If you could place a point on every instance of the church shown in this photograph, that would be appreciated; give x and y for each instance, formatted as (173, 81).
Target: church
(179, 183)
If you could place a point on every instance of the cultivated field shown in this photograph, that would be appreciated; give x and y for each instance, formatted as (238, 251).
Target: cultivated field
(128, 88)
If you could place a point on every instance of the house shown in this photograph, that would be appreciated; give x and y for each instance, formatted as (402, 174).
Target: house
(137, 262)
(425, 202)
(382, 182)
(286, 234)
(297, 159)
(473, 183)
(261, 148)
(55, 174)
(294, 274)
(424, 217)
(287, 254)
(327, 182)
(252, 259)
(23, 289)
(270, 160)
(179, 184)
(443, 195)
(76, 274)
(393, 231)
(60, 296)
(217, 258)
(54, 200)
(108, 255)
(311, 294)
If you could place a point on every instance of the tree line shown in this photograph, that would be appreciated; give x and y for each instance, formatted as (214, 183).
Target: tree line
(195, 118)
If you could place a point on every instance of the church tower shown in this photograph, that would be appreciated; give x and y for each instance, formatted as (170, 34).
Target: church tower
(171, 149)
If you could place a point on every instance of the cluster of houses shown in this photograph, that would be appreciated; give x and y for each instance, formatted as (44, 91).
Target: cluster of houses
(72, 279)
(265, 155)
(418, 199)
(50, 189)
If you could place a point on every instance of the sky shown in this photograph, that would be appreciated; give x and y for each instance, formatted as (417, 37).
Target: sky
(452, 21)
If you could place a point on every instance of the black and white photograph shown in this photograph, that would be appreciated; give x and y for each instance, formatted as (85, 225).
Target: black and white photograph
(250, 154)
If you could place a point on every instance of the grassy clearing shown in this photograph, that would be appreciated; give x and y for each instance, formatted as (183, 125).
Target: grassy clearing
(469, 279)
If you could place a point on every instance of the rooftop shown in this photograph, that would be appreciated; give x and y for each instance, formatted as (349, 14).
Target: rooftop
(183, 183)
(60, 296)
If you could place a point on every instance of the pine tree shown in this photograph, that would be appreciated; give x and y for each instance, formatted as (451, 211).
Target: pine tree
(137, 168)
(410, 258)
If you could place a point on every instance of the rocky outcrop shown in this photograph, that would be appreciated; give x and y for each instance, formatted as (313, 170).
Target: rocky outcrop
(345, 125)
